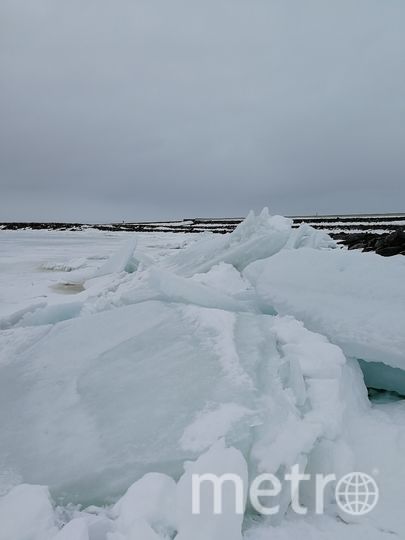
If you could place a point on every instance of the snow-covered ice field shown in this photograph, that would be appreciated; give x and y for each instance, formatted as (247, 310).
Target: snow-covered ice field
(128, 361)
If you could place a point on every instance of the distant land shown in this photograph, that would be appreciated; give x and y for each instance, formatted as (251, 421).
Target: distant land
(382, 233)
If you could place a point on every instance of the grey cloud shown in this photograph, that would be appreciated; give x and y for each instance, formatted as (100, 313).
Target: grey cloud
(148, 110)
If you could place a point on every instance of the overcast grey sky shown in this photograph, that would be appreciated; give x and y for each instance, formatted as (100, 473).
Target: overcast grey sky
(149, 109)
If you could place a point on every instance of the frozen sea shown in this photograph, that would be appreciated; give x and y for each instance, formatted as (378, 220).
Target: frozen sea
(130, 361)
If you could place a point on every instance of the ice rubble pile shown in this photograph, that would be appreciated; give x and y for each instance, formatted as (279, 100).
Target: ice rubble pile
(356, 299)
(257, 237)
(160, 369)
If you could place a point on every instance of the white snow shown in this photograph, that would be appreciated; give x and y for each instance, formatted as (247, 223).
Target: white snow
(173, 355)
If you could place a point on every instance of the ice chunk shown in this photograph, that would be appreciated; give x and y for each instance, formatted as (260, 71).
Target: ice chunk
(224, 278)
(179, 289)
(293, 435)
(356, 299)
(307, 236)
(141, 388)
(151, 499)
(203, 523)
(257, 237)
(121, 403)
(11, 319)
(51, 314)
(160, 284)
(76, 529)
(26, 514)
(120, 261)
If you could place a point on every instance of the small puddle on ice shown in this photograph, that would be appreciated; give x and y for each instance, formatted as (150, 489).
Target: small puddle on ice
(68, 288)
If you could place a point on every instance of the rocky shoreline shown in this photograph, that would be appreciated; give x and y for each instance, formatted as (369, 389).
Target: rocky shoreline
(386, 244)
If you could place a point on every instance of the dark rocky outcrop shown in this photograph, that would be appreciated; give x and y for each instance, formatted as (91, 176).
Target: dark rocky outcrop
(386, 244)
